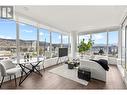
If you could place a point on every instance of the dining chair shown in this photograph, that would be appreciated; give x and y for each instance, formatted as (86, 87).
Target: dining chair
(8, 68)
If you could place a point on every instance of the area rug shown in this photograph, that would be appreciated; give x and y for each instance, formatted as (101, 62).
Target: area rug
(68, 73)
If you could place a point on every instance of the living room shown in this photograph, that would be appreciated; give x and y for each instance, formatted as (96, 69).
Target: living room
(49, 48)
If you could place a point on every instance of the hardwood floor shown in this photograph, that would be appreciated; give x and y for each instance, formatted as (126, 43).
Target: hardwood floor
(53, 81)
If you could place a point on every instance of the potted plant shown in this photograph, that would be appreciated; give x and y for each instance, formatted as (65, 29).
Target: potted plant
(83, 47)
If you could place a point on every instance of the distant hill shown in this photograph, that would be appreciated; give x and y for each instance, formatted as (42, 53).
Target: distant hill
(12, 43)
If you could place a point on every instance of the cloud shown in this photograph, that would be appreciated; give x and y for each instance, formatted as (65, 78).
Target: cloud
(81, 37)
(28, 31)
(85, 37)
(41, 33)
(22, 24)
(59, 37)
(98, 36)
(5, 37)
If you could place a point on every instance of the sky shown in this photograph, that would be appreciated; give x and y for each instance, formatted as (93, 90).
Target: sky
(28, 32)
(7, 29)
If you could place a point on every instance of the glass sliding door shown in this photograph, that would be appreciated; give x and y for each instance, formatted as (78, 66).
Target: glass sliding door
(44, 43)
(7, 39)
(28, 41)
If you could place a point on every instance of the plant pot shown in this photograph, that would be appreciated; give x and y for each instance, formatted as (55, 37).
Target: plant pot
(70, 66)
(81, 55)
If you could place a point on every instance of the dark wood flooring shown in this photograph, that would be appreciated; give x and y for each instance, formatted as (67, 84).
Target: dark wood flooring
(53, 81)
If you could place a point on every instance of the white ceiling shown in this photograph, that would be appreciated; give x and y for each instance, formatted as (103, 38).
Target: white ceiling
(75, 18)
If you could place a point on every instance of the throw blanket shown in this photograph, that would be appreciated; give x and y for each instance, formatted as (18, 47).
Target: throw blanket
(103, 63)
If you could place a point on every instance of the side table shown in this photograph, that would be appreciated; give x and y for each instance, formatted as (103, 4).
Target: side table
(70, 65)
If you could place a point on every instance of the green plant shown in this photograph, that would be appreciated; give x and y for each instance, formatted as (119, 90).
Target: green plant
(83, 47)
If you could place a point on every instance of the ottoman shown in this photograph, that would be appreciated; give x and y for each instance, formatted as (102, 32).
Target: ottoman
(84, 73)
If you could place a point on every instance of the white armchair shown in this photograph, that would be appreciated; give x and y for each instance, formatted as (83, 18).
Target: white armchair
(8, 68)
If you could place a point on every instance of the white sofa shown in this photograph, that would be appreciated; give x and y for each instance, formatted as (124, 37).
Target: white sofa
(97, 71)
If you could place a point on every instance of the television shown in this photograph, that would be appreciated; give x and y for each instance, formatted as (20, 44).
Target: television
(63, 52)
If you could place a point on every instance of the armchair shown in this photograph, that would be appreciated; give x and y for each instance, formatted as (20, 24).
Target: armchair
(8, 68)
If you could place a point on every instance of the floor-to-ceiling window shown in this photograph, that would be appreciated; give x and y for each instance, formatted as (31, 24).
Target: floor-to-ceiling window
(65, 41)
(56, 43)
(44, 43)
(27, 35)
(7, 39)
(113, 44)
(28, 41)
(100, 43)
(86, 38)
(101, 46)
